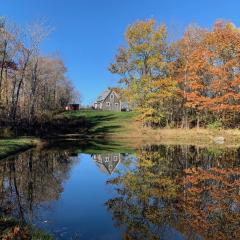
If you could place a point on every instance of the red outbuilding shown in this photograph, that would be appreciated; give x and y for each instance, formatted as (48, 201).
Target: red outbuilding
(72, 107)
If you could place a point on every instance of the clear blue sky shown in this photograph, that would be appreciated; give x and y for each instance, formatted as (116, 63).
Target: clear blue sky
(88, 32)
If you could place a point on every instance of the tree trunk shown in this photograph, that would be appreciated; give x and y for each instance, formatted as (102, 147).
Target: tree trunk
(198, 121)
(2, 67)
(15, 103)
(33, 93)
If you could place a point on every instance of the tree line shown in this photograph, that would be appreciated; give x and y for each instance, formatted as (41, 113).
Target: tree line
(191, 82)
(31, 85)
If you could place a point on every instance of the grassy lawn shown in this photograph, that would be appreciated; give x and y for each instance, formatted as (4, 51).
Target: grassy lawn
(12, 146)
(91, 146)
(122, 127)
(102, 122)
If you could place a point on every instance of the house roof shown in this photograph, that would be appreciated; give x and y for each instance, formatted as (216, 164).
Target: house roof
(108, 167)
(104, 95)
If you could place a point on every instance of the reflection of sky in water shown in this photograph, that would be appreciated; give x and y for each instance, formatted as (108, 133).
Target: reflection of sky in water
(80, 209)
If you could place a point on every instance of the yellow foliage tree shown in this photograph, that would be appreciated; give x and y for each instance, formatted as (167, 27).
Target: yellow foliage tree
(145, 69)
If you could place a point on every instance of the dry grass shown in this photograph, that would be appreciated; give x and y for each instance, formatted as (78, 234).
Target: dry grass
(123, 127)
(135, 134)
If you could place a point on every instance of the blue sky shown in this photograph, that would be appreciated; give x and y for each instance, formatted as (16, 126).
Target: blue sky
(88, 32)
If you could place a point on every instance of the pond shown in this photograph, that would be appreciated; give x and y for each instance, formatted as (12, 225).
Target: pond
(153, 192)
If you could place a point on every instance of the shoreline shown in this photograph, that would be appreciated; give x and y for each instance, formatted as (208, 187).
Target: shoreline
(179, 136)
(133, 135)
(12, 146)
(10, 228)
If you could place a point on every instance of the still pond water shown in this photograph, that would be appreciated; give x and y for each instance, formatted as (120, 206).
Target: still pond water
(155, 192)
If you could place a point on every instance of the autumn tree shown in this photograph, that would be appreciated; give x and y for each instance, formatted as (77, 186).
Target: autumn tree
(31, 85)
(208, 74)
(145, 70)
(191, 82)
(185, 49)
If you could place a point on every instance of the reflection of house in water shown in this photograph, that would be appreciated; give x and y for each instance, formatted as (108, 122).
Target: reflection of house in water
(107, 162)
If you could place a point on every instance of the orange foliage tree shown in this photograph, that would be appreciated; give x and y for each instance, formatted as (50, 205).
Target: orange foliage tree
(209, 72)
(192, 82)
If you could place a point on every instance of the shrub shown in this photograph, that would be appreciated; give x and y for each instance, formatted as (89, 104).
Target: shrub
(215, 125)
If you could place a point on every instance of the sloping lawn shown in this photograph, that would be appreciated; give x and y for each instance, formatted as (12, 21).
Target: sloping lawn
(102, 122)
(12, 146)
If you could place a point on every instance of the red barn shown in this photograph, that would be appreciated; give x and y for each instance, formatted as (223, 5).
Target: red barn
(72, 107)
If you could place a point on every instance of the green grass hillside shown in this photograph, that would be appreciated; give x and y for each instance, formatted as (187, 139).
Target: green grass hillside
(12, 146)
(95, 129)
(98, 123)
(91, 131)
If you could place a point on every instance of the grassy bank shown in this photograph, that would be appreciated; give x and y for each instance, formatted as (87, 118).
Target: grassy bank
(13, 229)
(97, 130)
(11, 146)
(123, 127)
(95, 124)
(194, 136)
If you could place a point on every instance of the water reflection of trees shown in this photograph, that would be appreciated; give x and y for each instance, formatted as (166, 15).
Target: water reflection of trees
(193, 190)
(32, 179)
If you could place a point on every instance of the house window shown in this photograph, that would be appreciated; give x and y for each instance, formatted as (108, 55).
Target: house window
(116, 104)
(107, 159)
(112, 96)
(108, 104)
